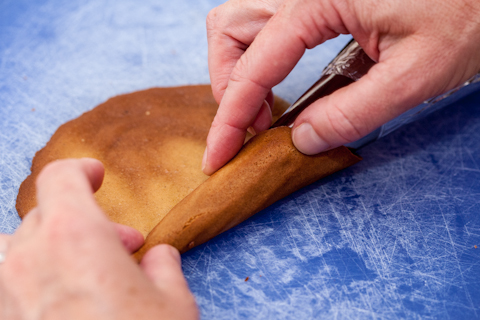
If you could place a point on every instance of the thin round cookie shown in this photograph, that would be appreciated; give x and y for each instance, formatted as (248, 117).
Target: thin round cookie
(151, 143)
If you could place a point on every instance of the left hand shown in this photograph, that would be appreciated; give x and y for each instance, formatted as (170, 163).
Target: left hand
(68, 261)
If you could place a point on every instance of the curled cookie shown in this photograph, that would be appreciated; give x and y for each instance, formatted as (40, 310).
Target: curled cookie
(267, 169)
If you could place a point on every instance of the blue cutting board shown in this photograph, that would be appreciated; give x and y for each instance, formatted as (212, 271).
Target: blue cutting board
(391, 237)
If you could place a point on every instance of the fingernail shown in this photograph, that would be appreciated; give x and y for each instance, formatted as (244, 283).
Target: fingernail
(252, 131)
(307, 141)
(266, 105)
(204, 160)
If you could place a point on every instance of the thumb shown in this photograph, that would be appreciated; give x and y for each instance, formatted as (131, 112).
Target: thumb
(386, 91)
(162, 264)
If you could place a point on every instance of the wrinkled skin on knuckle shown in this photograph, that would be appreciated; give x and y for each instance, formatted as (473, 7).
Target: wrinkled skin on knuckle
(218, 88)
(241, 20)
(241, 70)
(211, 21)
(244, 73)
(342, 126)
(220, 18)
(216, 124)
(314, 22)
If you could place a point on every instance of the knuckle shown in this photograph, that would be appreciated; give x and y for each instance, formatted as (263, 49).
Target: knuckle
(218, 88)
(243, 73)
(217, 18)
(212, 18)
(343, 126)
(238, 71)
(216, 123)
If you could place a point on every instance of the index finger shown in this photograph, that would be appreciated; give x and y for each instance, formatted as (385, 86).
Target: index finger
(268, 60)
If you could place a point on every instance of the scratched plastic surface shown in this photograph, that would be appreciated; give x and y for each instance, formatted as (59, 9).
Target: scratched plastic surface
(392, 237)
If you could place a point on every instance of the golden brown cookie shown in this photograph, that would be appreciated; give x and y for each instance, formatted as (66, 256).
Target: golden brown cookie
(267, 169)
(151, 143)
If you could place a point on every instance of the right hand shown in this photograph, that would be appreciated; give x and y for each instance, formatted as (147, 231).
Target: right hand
(423, 48)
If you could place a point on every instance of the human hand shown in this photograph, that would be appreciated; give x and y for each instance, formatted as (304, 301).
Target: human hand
(423, 48)
(67, 261)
